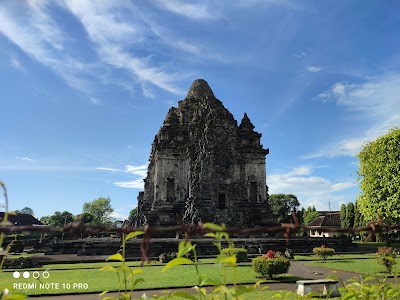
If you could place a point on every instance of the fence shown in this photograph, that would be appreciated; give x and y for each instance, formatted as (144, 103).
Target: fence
(288, 229)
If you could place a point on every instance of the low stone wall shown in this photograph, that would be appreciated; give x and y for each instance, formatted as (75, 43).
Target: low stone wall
(205, 247)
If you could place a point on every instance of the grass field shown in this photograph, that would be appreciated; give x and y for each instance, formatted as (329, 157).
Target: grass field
(88, 278)
(335, 257)
(362, 264)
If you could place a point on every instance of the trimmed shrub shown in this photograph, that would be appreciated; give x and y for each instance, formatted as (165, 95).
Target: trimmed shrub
(386, 258)
(268, 267)
(240, 253)
(16, 246)
(323, 252)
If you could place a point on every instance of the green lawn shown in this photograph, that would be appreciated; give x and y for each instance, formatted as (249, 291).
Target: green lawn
(377, 244)
(367, 264)
(335, 257)
(261, 295)
(94, 280)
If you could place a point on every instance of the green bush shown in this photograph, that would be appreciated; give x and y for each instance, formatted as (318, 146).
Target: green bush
(323, 252)
(240, 253)
(369, 288)
(16, 246)
(386, 258)
(270, 266)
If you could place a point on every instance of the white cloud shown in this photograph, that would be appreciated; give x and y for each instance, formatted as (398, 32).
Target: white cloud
(134, 184)
(342, 185)
(189, 10)
(377, 101)
(38, 35)
(300, 54)
(302, 170)
(118, 216)
(111, 27)
(313, 69)
(138, 171)
(109, 169)
(24, 158)
(310, 190)
(117, 32)
(16, 64)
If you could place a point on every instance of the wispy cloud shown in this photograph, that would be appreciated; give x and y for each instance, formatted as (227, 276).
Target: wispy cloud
(138, 171)
(194, 11)
(16, 64)
(311, 190)
(24, 158)
(118, 33)
(35, 32)
(376, 101)
(134, 184)
(109, 25)
(118, 216)
(313, 69)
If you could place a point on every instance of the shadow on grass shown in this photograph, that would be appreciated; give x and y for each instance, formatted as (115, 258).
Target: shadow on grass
(333, 261)
(282, 279)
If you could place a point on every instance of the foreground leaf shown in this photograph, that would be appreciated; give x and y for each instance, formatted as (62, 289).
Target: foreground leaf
(133, 234)
(177, 262)
(117, 257)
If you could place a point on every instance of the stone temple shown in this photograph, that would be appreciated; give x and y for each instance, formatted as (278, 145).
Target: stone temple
(204, 167)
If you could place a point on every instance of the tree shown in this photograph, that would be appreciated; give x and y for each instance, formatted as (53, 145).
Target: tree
(310, 214)
(27, 210)
(85, 217)
(379, 176)
(350, 214)
(282, 206)
(58, 219)
(358, 219)
(100, 209)
(343, 220)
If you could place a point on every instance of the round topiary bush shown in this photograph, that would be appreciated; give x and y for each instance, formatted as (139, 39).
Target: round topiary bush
(270, 266)
(241, 254)
(323, 252)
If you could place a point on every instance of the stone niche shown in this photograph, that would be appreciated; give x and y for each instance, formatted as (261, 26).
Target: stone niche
(203, 167)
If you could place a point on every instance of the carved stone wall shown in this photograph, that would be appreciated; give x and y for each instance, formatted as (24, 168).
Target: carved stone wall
(204, 167)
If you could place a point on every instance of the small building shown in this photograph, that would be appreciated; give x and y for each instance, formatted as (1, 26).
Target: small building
(19, 219)
(320, 222)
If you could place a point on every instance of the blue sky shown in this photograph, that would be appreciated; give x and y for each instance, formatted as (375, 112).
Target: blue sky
(86, 85)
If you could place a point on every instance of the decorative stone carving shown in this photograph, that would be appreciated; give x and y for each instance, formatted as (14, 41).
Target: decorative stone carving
(204, 167)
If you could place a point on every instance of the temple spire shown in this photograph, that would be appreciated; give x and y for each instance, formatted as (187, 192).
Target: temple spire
(200, 89)
(246, 124)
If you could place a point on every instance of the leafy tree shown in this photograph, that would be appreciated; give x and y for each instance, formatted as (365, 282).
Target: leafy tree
(282, 205)
(58, 219)
(358, 219)
(85, 217)
(350, 215)
(379, 177)
(100, 209)
(343, 220)
(45, 220)
(310, 214)
(27, 210)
